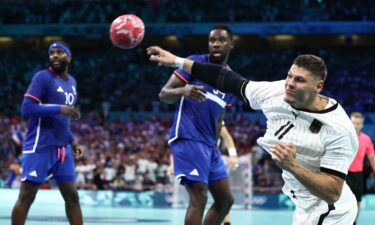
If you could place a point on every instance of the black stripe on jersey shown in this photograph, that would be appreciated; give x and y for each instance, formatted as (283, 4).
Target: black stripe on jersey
(243, 88)
(286, 131)
(281, 128)
(330, 109)
(324, 215)
(333, 172)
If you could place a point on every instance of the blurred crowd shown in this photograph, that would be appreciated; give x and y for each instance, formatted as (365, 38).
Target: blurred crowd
(131, 154)
(159, 11)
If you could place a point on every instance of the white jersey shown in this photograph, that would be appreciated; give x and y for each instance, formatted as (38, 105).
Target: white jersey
(325, 140)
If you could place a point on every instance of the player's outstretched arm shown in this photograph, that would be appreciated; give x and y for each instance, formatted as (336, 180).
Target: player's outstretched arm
(217, 76)
(165, 58)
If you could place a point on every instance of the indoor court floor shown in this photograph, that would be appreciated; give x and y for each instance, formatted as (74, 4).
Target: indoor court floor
(42, 214)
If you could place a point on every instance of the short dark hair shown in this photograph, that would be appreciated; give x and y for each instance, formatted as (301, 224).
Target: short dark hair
(358, 115)
(312, 63)
(223, 27)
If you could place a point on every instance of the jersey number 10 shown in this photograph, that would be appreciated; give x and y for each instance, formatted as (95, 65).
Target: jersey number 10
(69, 98)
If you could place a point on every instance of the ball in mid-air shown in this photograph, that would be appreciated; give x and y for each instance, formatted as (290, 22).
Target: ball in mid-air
(127, 31)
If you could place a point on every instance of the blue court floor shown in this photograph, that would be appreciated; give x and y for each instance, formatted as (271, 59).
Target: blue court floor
(48, 209)
(55, 215)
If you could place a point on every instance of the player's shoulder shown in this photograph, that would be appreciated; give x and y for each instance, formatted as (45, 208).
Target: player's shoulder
(274, 88)
(364, 136)
(72, 78)
(277, 83)
(42, 74)
(337, 119)
(199, 58)
(337, 114)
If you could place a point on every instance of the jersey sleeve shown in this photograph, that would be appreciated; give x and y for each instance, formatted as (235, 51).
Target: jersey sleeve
(36, 88)
(184, 76)
(231, 99)
(340, 150)
(256, 93)
(30, 108)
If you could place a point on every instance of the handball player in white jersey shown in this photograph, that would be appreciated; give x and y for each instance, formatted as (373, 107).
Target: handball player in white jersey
(308, 135)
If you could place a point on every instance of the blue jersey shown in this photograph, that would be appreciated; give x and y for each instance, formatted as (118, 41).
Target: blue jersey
(198, 120)
(50, 90)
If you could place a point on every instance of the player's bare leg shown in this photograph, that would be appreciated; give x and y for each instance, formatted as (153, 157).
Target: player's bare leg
(223, 201)
(356, 218)
(25, 199)
(198, 199)
(227, 219)
(72, 208)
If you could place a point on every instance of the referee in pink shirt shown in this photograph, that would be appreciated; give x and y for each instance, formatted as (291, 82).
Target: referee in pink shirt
(355, 177)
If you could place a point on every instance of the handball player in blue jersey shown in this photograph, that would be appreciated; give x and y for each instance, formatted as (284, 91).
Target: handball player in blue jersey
(193, 138)
(49, 148)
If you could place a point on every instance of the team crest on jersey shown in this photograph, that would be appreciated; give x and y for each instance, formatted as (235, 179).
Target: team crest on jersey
(315, 126)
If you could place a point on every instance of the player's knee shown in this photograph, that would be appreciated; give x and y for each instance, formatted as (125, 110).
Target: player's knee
(199, 198)
(26, 198)
(198, 203)
(230, 201)
(225, 203)
(72, 197)
(202, 197)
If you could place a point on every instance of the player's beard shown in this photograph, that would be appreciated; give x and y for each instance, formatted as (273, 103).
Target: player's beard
(61, 68)
(217, 59)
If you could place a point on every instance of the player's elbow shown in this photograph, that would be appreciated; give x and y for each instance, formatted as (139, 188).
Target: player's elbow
(164, 97)
(333, 196)
(25, 110)
(332, 199)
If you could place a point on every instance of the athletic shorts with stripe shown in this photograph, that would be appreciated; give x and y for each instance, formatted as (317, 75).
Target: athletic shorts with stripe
(342, 212)
(197, 162)
(58, 162)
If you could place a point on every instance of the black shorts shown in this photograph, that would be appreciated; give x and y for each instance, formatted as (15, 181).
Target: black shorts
(355, 182)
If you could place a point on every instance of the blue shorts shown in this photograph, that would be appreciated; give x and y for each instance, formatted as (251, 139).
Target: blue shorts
(197, 162)
(59, 163)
